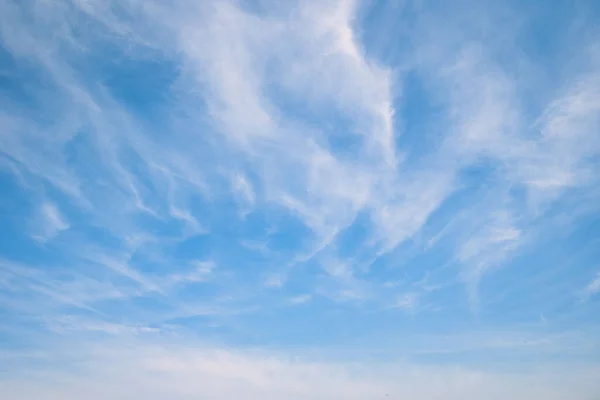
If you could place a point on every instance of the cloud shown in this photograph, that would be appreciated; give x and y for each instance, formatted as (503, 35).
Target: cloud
(274, 281)
(53, 222)
(301, 299)
(488, 246)
(44, 292)
(290, 150)
(312, 154)
(243, 187)
(200, 273)
(156, 371)
(407, 302)
(593, 287)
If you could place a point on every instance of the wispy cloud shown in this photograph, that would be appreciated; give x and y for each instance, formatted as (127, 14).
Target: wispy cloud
(201, 271)
(375, 166)
(407, 302)
(304, 298)
(593, 287)
(52, 222)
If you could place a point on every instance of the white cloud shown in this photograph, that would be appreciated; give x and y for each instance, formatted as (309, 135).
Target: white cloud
(274, 281)
(201, 272)
(301, 299)
(52, 222)
(313, 55)
(490, 244)
(593, 287)
(46, 292)
(69, 324)
(297, 172)
(242, 186)
(407, 301)
(156, 372)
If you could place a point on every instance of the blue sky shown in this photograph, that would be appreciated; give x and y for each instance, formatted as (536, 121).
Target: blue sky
(300, 199)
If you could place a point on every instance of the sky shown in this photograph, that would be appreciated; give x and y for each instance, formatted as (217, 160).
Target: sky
(307, 199)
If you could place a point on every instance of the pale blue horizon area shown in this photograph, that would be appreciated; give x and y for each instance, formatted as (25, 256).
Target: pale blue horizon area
(299, 199)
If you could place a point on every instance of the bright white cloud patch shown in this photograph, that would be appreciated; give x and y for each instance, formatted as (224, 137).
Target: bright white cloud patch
(328, 179)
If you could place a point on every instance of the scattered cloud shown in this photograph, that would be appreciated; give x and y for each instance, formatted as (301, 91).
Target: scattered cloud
(53, 222)
(407, 302)
(201, 272)
(301, 299)
(404, 165)
(593, 287)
